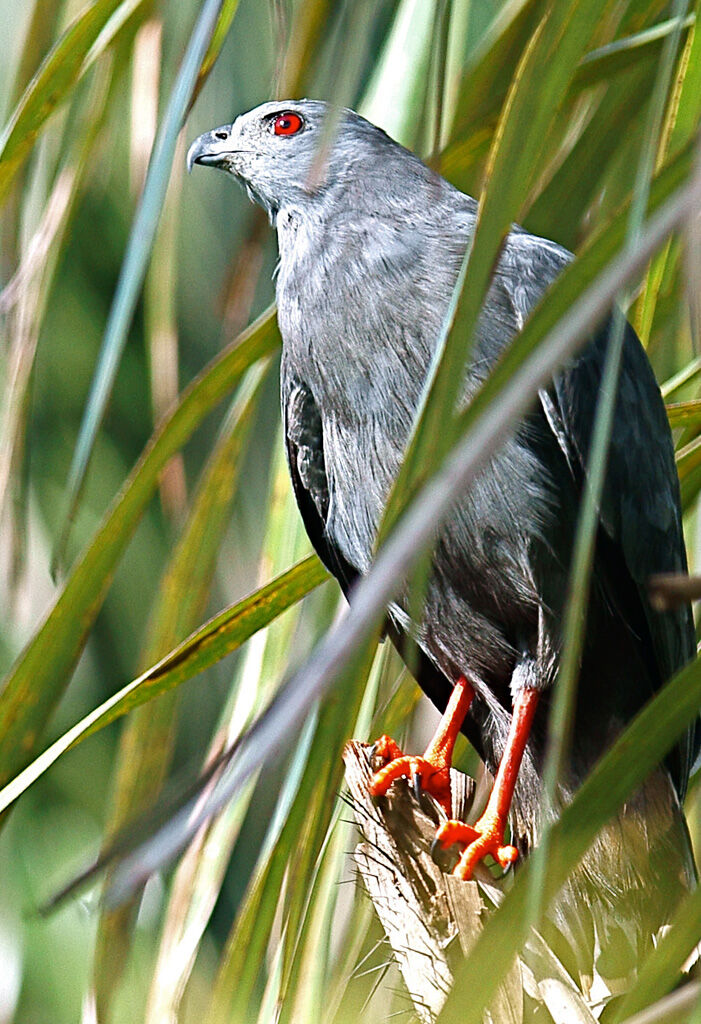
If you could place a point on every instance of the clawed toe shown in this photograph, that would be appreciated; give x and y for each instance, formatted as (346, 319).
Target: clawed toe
(424, 776)
(483, 838)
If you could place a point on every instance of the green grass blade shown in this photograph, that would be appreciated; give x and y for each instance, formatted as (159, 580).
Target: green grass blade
(199, 876)
(683, 120)
(536, 94)
(607, 61)
(575, 613)
(25, 297)
(208, 645)
(42, 672)
(137, 254)
(58, 74)
(294, 849)
(662, 971)
(600, 250)
(221, 30)
(147, 742)
(684, 414)
(687, 375)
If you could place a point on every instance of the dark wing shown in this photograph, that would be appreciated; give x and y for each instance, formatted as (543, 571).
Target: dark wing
(304, 444)
(640, 509)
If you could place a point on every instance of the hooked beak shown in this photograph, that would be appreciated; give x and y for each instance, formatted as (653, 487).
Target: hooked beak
(211, 149)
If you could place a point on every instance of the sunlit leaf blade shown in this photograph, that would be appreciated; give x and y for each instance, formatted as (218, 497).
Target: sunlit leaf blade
(310, 906)
(574, 615)
(199, 876)
(25, 297)
(684, 414)
(630, 51)
(488, 75)
(535, 95)
(221, 30)
(147, 742)
(682, 124)
(601, 248)
(42, 672)
(308, 817)
(208, 645)
(615, 778)
(662, 971)
(137, 254)
(57, 75)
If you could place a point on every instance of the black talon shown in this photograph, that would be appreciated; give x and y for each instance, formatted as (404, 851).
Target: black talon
(445, 859)
(416, 785)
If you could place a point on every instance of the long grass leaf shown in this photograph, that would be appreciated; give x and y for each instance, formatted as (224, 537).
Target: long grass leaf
(535, 95)
(137, 254)
(146, 744)
(294, 852)
(205, 647)
(199, 876)
(59, 72)
(684, 414)
(42, 672)
(575, 613)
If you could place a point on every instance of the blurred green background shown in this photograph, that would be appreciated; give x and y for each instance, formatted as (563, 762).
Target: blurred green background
(435, 74)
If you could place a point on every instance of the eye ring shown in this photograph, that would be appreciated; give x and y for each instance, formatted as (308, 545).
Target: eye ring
(288, 122)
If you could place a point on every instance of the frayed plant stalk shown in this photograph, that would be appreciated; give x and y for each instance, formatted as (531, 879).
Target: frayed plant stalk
(431, 919)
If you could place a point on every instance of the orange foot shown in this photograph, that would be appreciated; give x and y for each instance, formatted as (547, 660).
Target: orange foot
(432, 771)
(424, 774)
(486, 836)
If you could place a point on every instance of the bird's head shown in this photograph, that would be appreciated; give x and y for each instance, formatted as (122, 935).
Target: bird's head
(288, 154)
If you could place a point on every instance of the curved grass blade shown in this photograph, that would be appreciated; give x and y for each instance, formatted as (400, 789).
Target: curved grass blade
(42, 671)
(291, 848)
(208, 645)
(199, 876)
(687, 375)
(684, 414)
(486, 82)
(221, 30)
(601, 248)
(60, 71)
(662, 970)
(146, 744)
(603, 63)
(560, 718)
(136, 257)
(411, 539)
(683, 121)
(25, 296)
(536, 93)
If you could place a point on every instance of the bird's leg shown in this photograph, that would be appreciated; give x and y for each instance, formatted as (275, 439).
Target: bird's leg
(432, 771)
(487, 834)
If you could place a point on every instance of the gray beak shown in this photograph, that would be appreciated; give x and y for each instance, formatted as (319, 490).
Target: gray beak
(211, 148)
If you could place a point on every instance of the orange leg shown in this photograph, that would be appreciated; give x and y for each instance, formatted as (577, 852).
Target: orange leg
(433, 769)
(487, 834)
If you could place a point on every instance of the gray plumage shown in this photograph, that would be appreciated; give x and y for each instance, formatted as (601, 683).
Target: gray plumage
(370, 246)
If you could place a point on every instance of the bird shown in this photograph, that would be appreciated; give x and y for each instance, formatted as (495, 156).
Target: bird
(371, 242)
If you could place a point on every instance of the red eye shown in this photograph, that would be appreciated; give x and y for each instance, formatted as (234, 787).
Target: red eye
(287, 123)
